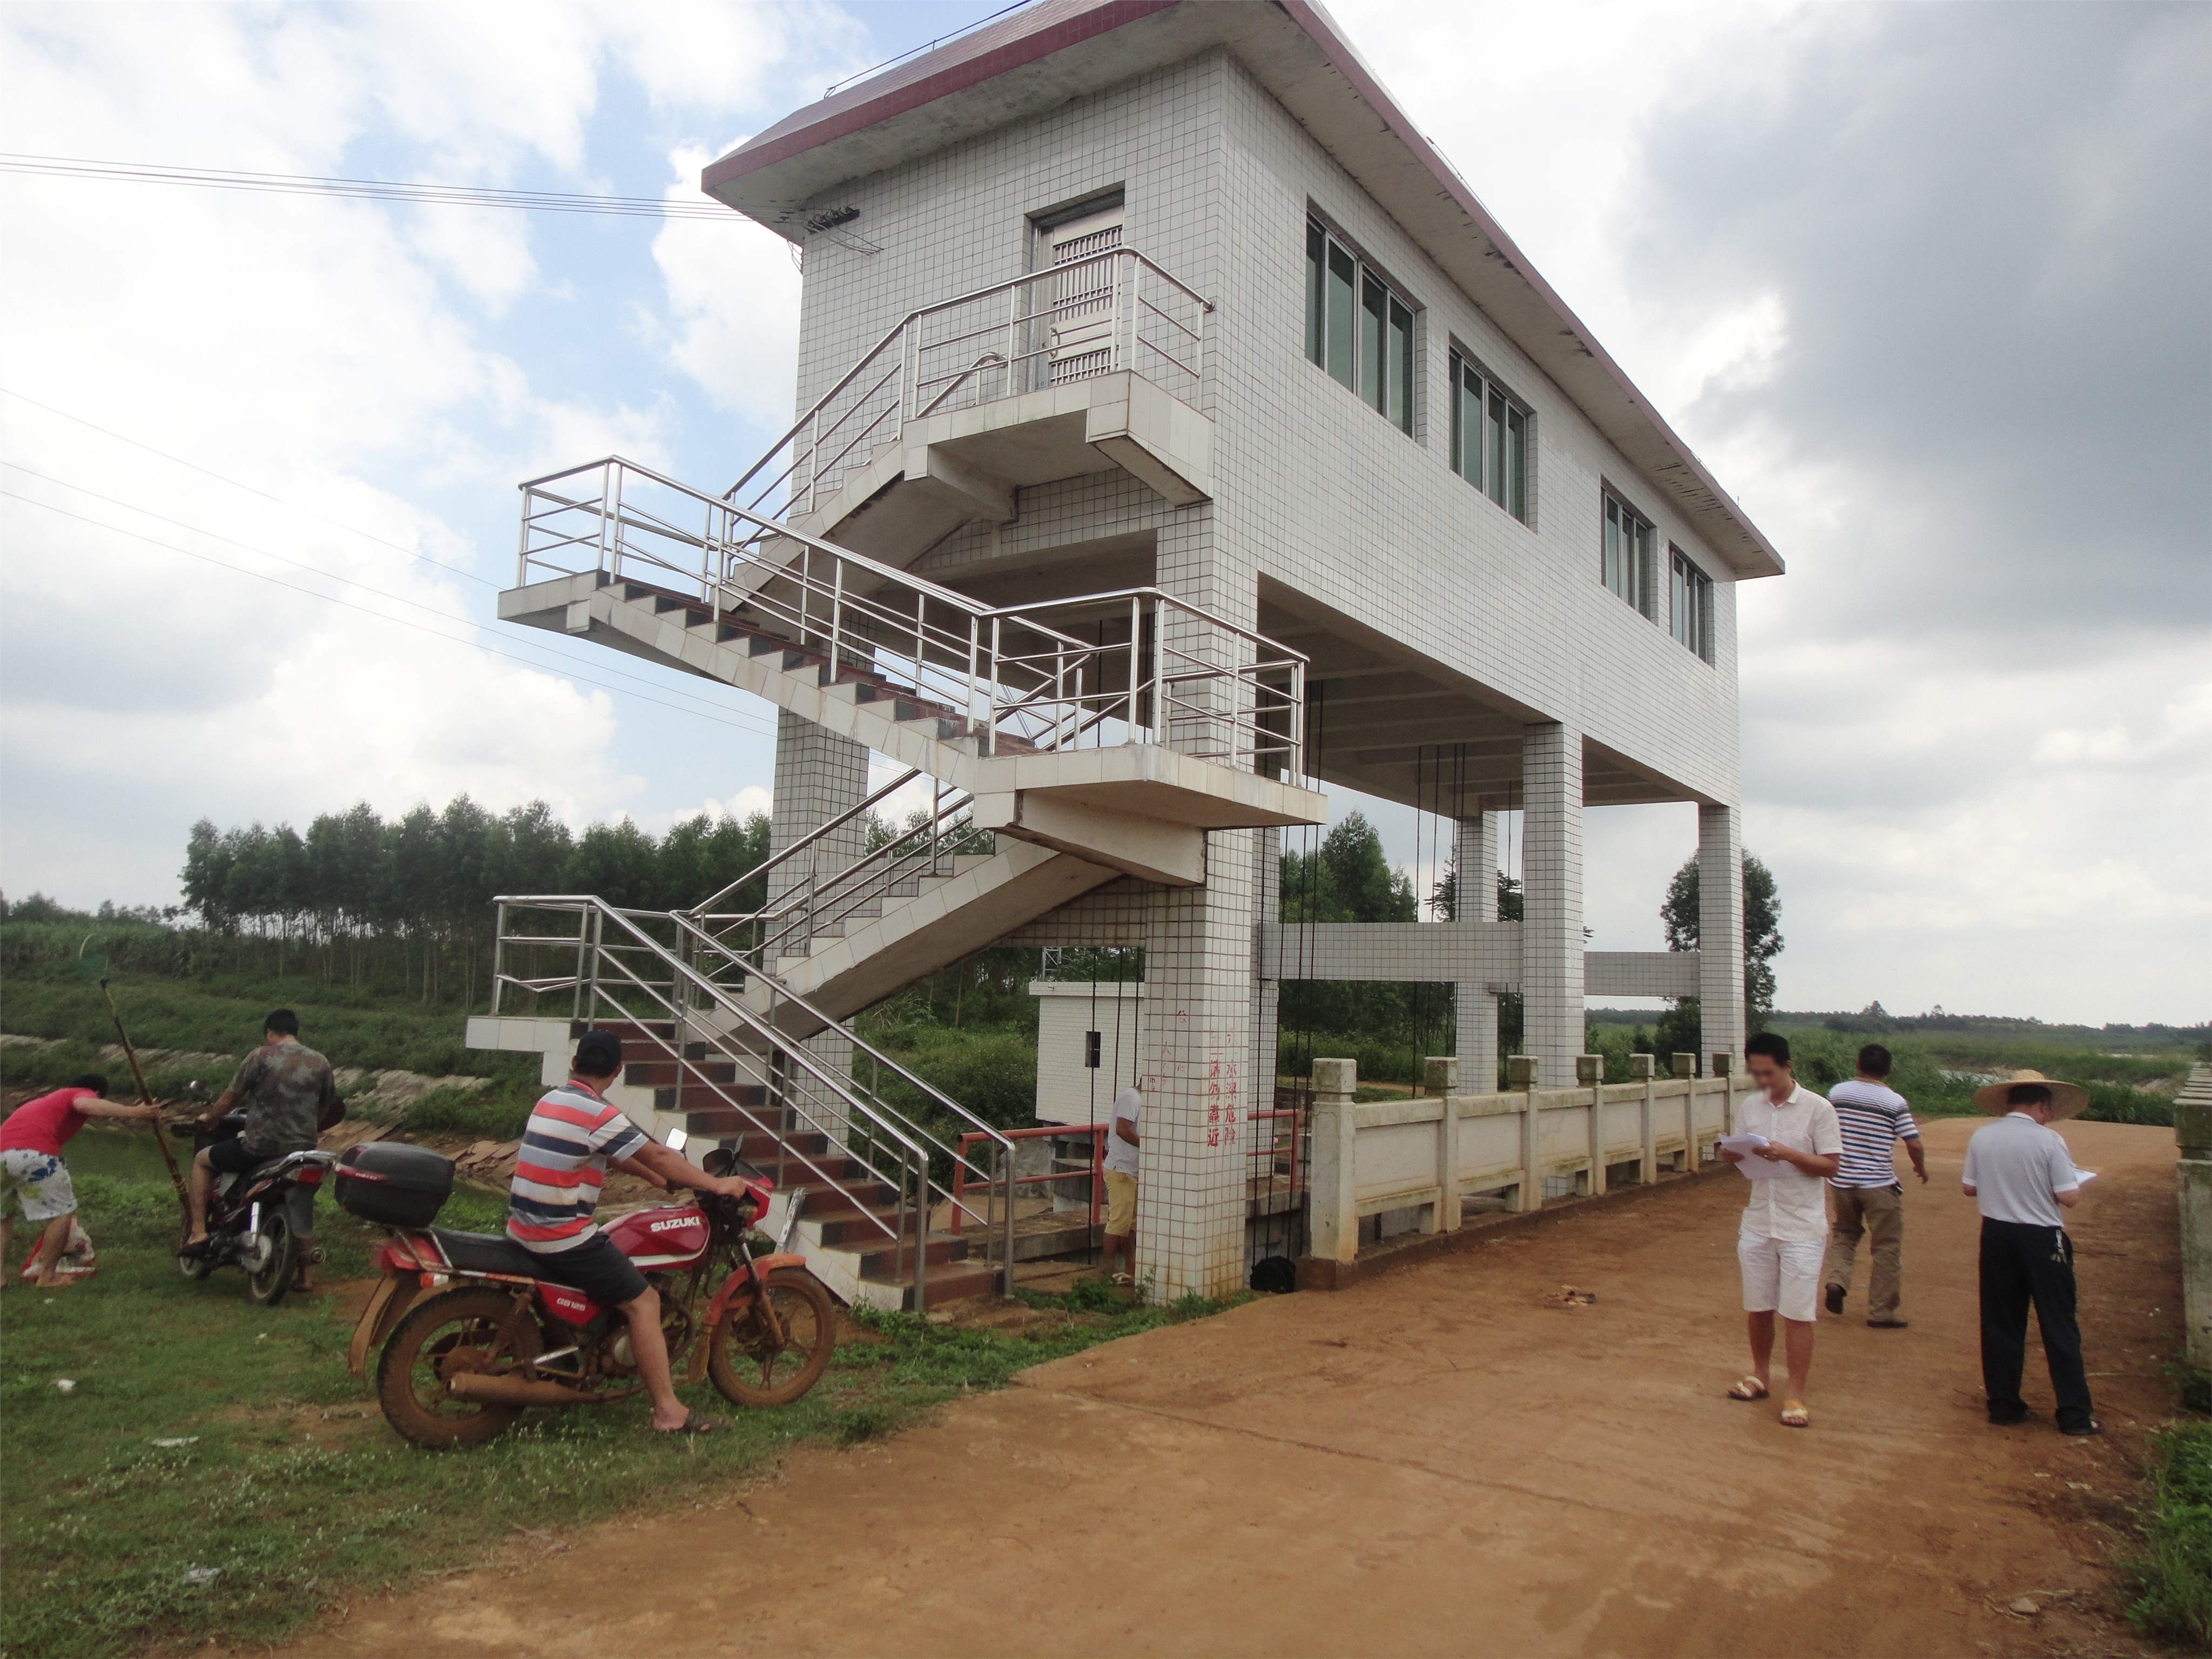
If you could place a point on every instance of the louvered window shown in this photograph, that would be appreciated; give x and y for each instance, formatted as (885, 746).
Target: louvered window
(1358, 329)
(1490, 436)
(1626, 563)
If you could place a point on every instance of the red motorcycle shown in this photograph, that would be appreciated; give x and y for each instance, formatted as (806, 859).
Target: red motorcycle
(471, 1333)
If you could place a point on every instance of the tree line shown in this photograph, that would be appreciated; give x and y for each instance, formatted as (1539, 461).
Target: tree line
(363, 898)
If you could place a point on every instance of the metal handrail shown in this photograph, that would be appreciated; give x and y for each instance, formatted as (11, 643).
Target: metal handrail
(1096, 301)
(687, 987)
(1003, 672)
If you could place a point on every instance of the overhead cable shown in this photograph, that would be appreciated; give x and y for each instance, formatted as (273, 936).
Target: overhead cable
(400, 622)
(421, 192)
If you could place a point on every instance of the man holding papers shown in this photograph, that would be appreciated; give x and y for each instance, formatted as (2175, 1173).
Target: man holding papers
(2021, 1177)
(1788, 1144)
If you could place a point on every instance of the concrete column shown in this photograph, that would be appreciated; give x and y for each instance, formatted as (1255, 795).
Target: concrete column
(1332, 1189)
(1720, 931)
(818, 774)
(1474, 1004)
(1199, 1005)
(1552, 901)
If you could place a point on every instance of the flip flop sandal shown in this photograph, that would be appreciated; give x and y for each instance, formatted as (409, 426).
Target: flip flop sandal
(1794, 1416)
(1749, 1388)
(692, 1423)
(194, 1249)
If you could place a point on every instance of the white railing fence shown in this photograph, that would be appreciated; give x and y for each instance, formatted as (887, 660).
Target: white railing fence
(1431, 1154)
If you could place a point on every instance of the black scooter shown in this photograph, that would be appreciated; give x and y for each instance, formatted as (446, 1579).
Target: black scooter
(261, 1221)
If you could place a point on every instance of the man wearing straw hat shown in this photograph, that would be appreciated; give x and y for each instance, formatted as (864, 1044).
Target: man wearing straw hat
(2020, 1175)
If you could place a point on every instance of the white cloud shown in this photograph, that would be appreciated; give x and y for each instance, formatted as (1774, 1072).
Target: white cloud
(732, 293)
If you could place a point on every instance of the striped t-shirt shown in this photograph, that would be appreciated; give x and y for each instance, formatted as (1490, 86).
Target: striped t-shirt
(561, 1165)
(1874, 1119)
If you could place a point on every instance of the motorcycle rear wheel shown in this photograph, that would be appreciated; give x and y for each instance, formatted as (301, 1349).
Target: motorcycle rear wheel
(750, 1369)
(452, 1332)
(192, 1267)
(280, 1259)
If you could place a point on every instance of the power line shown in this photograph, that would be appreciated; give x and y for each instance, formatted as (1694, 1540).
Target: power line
(300, 564)
(400, 621)
(397, 547)
(380, 190)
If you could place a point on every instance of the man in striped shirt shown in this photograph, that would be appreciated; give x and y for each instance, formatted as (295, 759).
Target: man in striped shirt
(1865, 1197)
(574, 1134)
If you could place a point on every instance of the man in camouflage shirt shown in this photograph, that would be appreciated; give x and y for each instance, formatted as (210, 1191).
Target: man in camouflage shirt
(290, 1098)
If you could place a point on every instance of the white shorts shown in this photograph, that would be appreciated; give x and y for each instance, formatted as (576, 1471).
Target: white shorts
(37, 1183)
(1781, 1275)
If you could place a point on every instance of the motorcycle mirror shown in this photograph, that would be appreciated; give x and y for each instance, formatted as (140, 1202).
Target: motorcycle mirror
(719, 1162)
(677, 1140)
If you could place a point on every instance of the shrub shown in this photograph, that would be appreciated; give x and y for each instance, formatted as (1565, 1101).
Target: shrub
(2173, 1577)
(488, 1113)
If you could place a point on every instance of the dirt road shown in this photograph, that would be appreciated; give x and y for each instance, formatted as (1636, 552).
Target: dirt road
(1435, 1462)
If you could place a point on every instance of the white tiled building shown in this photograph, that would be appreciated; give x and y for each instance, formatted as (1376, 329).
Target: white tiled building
(1332, 404)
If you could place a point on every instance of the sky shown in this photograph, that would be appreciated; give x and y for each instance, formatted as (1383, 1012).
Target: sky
(1925, 286)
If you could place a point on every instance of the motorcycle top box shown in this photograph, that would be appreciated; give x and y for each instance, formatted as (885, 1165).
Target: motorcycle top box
(394, 1184)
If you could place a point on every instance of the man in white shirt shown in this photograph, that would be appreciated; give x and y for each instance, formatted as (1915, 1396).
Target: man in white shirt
(1120, 1175)
(2021, 1177)
(1784, 1232)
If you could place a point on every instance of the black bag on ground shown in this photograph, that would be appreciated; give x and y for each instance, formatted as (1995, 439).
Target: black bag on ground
(1275, 1274)
(394, 1184)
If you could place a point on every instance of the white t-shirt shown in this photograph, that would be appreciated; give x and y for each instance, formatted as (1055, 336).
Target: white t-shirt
(1792, 1206)
(2014, 1165)
(1120, 1156)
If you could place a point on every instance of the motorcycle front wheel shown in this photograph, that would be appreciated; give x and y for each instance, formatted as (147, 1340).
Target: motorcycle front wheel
(440, 1338)
(751, 1367)
(271, 1258)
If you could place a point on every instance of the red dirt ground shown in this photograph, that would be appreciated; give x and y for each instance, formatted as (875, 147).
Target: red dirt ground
(1435, 1462)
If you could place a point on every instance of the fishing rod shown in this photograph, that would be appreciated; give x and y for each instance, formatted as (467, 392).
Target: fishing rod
(98, 966)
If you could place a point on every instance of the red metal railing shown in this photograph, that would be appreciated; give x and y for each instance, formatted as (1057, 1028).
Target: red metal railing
(1096, 1132)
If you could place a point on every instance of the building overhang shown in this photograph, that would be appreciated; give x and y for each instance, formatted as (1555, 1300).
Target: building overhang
(1038, 58)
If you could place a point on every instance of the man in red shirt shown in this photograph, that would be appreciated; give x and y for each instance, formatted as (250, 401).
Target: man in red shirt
(32, 1174)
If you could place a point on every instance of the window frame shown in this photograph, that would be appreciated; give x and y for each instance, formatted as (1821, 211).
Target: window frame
(1638, 562)
(1685, 575)
(1371, 346)
(1498, 413)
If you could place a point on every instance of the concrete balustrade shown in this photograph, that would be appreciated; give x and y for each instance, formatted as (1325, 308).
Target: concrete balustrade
(1432, 1154)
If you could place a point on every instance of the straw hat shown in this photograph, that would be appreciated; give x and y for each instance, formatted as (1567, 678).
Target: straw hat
(2067, 1099)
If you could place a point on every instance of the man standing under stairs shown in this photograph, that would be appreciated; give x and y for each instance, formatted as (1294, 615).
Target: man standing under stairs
(1121, 1176)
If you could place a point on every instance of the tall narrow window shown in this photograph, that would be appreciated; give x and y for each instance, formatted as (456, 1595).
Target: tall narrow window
(1691, 604)
(1489, 437)
(1625, 561)
(1358, 329)
(1091, 1049)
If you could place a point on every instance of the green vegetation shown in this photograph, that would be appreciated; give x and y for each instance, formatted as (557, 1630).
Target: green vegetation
(2173, 1576)
(290, 1486)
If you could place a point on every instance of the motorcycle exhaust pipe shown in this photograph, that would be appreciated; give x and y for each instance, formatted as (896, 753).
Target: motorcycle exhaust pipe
(504, 1391)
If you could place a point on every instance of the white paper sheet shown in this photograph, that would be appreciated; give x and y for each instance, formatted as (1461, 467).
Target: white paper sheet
(2083, 1177)
(1754, 1168)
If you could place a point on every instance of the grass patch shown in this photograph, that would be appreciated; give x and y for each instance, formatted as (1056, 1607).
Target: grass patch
(2173, 1576)
(292, 1490)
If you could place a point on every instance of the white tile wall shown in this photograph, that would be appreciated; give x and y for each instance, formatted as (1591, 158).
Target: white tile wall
(1316, 490)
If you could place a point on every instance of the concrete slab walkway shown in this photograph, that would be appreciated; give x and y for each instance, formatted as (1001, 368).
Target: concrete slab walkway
(1437, 1462)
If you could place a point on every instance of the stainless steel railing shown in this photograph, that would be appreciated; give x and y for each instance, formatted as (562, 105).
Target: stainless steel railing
(638, 968)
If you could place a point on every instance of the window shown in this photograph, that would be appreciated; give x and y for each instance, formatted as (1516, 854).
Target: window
(1358, 329)
(1091, 1049)
(1626, 568)
(1691, 604)
(1489, 437)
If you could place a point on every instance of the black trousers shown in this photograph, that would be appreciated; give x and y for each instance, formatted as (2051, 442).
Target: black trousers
(2022, 1264)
